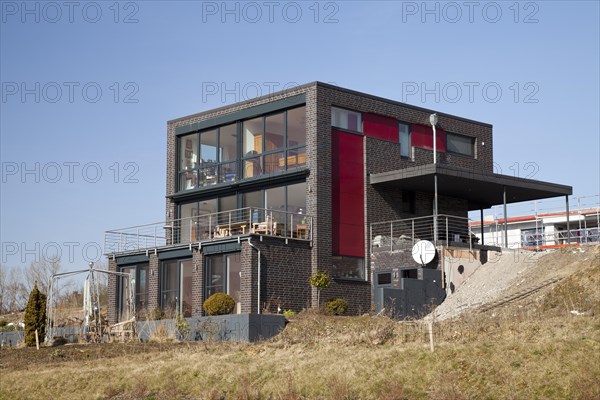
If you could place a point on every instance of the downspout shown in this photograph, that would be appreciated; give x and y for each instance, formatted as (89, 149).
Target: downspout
(258, 282)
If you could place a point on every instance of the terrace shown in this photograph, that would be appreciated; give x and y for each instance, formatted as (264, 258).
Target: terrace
(209, 228)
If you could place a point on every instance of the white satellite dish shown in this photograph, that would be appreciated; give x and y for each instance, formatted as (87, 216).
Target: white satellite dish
(423, 252)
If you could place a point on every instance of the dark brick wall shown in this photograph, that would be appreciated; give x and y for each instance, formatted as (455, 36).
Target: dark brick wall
(356, 293)
(197, 282)
(113, 296)
(154, 283)
(285, 269)
(249, 279)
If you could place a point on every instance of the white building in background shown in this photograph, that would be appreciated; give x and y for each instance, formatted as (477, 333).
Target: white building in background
(544, 230)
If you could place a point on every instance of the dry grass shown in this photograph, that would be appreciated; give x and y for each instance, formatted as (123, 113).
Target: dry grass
(532, 349)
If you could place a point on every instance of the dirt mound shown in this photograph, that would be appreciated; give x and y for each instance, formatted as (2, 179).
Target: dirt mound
(516, 274)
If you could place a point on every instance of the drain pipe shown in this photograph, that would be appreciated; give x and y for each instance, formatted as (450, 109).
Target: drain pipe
(258, 283)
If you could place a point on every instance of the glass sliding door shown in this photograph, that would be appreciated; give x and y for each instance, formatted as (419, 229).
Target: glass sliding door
(127, 287)
(133, 291)
(176, 287)
(185, 285)
(223, 275)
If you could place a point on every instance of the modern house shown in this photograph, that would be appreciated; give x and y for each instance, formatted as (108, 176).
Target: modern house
(263, 193)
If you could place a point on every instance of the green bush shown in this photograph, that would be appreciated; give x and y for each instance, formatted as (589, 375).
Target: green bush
(219, 304)
(336, 306)
(289, 313)
(35, 316)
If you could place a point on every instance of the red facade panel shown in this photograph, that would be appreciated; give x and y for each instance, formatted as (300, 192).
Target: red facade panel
(380, 127)
(422, 136)
(347, 194)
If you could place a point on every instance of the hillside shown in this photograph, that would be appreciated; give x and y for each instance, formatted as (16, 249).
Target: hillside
(527, 348)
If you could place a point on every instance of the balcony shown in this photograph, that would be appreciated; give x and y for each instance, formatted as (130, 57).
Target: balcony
(401, 235)
(209, 227)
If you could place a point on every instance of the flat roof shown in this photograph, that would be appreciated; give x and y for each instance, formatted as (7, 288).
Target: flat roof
(251, 102)
(480, 190)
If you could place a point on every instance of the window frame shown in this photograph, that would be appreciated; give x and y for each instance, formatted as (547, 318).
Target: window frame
(136, 293)
(221, 260)
(347, 111)
(409, 151)
(223, 169)
(180, 263)
(363, 268)
(471, 138)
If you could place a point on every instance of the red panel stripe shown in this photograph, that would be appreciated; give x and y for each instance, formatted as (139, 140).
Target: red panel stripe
(347, 194)
(380, 127)
(422, 136)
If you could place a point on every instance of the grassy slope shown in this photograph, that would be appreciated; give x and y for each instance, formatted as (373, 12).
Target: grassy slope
(532, 349)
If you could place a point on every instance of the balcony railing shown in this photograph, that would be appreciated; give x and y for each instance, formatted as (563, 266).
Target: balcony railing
(209, 227)
(404, 233)
(541, 239)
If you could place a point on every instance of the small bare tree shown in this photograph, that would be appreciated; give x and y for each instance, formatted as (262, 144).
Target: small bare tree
(12, 290)
(41, 272)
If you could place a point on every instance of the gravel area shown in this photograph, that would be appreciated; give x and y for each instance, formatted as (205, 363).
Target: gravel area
(488, 282)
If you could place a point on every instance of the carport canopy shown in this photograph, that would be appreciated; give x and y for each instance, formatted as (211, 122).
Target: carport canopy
(481, 190)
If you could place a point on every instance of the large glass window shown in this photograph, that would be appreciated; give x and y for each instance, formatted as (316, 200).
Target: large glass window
(346, 119)
(274, 131)
(137, 284)
(404, 140)
(296, 127)
(460, 144)
(208, 158)
(252, 137)
(223, 275)
(228, 145)
(348, 267)
(270, 144)
(176, 287)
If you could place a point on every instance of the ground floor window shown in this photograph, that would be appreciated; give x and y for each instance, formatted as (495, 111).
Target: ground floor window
(176, 287)
(223, 275)
(348, 267)
(133, 291)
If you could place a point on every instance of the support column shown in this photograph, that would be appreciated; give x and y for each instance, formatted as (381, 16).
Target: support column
(482, 231)
(435, 210)
(505, 218)
(568, 220)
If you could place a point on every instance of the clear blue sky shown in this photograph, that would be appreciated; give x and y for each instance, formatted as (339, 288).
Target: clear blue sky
(168, 59)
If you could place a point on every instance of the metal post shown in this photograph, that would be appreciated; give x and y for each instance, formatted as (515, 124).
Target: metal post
(391, 236)
(568, 220)
(435, 208)
(505, 219)
(482, 230)
(447, 240)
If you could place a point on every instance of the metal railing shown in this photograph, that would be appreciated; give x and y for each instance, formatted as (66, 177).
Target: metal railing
(404, 233)
(544, 240)
(213, 226)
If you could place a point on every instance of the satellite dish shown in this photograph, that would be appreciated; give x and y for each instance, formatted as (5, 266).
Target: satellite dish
(423, 252)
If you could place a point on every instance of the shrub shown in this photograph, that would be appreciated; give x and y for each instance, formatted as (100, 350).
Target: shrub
(336, 306)
(289, 313)
(320, 280)
(35, 316)
(219, 304)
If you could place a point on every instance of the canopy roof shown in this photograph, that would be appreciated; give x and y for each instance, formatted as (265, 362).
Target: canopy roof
(480, 190)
